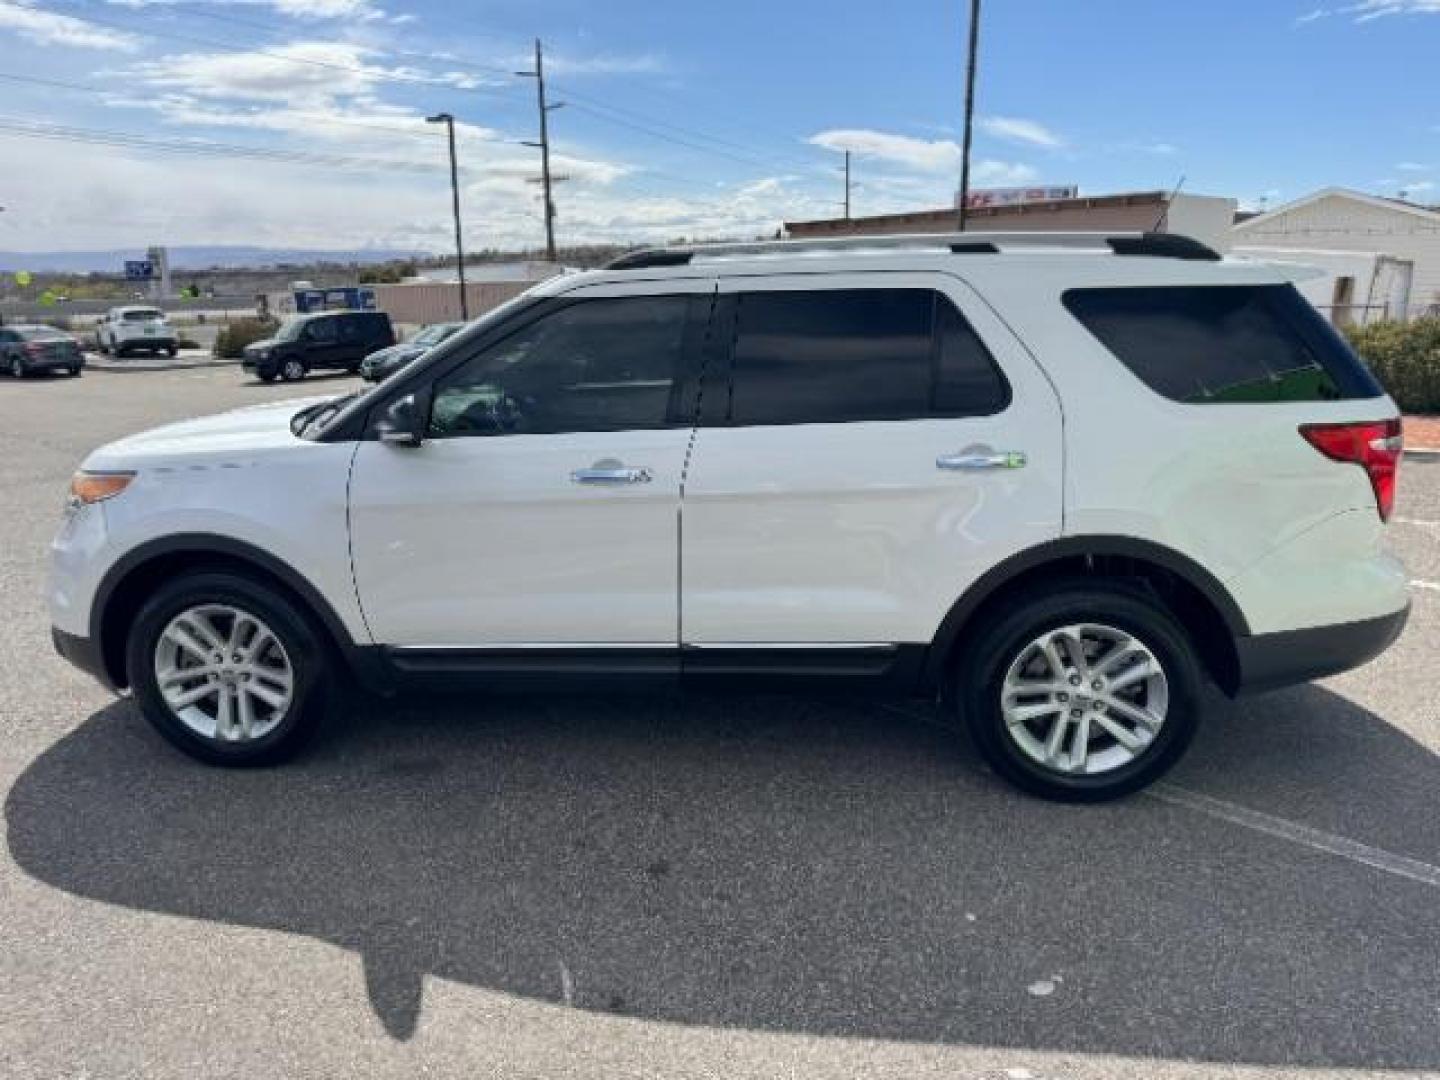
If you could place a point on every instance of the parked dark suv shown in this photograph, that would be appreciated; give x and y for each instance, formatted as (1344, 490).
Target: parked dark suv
(326, 339)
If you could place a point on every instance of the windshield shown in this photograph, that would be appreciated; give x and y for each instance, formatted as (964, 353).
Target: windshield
(291, 330)
(40, 333)
(142, 315)
(433, 335)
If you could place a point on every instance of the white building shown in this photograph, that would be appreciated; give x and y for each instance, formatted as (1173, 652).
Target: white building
(1381, 256)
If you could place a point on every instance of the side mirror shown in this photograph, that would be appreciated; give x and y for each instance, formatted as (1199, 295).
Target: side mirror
(404, 420)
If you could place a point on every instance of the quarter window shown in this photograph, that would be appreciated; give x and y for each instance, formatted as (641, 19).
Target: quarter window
(844, 355)
(1224, 343)
(609, 364)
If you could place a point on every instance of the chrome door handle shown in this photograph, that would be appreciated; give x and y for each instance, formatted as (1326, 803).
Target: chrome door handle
(974, 462)
(612, 474)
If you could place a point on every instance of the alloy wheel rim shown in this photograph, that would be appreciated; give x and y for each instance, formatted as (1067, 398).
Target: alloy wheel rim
(293, 370)
(223, 673)
(1084, 699)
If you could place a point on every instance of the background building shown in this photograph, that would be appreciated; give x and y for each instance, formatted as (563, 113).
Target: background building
(1206, 218)
(1381, 256)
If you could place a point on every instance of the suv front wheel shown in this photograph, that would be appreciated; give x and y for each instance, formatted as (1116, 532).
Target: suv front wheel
(292, 370)
(1083, 692)
(227, 669)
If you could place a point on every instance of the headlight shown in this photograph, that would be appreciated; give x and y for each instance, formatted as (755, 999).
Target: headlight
(93, 487)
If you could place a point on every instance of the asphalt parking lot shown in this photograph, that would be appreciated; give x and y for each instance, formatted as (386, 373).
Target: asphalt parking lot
(702, 887)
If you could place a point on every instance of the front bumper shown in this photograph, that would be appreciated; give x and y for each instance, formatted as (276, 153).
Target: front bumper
(1270, 661)
(146, 343)
(54, 363)
(84, 653)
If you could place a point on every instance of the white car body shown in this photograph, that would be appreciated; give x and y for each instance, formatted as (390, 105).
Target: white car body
(135, 327)
(819, 539)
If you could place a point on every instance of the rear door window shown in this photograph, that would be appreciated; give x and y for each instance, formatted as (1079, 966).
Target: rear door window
(1224, 343)
(845, 355)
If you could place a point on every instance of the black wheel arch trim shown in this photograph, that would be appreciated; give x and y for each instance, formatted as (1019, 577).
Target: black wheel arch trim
(358, 657)
(1070, 547)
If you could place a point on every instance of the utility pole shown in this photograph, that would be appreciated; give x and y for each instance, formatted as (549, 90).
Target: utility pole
(847, 185)
(449, 121)
(544, 146)
(969, 114)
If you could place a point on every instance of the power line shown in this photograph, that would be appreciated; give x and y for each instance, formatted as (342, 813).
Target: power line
(109, 92)
(595, 107)
(131, 140)
(378, 74)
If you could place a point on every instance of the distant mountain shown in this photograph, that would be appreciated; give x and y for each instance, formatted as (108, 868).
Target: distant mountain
(190, 258)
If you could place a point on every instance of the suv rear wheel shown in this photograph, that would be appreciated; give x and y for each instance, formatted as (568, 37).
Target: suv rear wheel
(1084, 692)
(227, 669)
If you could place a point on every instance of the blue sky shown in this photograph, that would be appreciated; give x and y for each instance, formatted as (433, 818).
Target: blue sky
(681, 119)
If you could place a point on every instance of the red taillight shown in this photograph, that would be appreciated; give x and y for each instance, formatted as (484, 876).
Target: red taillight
(34, 348)
(1374, 445)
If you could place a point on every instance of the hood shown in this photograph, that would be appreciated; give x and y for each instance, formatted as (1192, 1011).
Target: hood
(215, 439)
(394, 352)
(262, 345)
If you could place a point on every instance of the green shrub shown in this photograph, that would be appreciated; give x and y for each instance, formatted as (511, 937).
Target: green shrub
(230, 342)
(1405, 358)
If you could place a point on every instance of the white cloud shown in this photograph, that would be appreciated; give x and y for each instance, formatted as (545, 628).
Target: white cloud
(1414, 166)
(600, 64)
(323, 69)
(309, 70)
(1419, 187)
(939, 155)
(284, 205)
(1018, 130)
(314, 10)
(1002, 174)
(50, 28)
(1368, 10)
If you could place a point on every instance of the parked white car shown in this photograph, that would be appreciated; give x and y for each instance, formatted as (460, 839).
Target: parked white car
(1055, 482)
(132, 329)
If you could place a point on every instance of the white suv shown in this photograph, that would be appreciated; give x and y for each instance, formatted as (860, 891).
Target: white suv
(1055, 481)
(135, 329)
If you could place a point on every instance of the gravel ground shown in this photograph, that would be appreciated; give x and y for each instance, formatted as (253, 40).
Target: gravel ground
(755, 887)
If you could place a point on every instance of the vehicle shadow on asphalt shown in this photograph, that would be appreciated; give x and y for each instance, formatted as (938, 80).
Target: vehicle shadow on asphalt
(791, 864)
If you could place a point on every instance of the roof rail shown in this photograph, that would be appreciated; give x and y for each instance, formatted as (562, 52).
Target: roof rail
(1163, 245)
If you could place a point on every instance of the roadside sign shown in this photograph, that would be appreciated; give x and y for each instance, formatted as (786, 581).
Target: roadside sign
(139, 269)
(1018, 196)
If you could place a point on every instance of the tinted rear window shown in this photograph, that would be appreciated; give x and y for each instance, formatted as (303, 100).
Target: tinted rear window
(40, 333)
(831, 356)
(1224, 343)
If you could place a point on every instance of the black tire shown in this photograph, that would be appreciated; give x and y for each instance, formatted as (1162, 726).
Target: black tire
(292, 370)
(265, 376)
(303, 642)
(1001, 638)
(18, 369)
(171, 350)
(75, 372)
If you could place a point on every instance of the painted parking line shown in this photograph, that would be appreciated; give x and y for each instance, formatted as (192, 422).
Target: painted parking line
(1431, 586)
(1303, 835)
(1421, 522)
